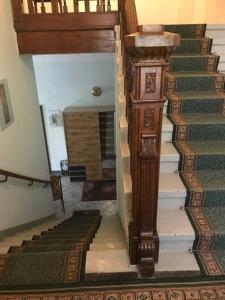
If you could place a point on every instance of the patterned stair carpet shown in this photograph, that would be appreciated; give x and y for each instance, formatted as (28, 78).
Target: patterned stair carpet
(56, 258)
(195, 91)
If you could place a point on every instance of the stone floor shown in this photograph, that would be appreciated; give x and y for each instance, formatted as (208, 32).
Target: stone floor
(72, 193)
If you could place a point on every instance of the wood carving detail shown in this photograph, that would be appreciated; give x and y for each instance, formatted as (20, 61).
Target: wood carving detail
(150, 83)
(149, 118)
(149, 147)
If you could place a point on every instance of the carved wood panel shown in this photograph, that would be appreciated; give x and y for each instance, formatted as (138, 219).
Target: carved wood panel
(148, 66)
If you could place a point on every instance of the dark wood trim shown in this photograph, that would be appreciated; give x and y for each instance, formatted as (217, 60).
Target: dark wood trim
(60, 31)
(69, 21)
(45, 136)
(56, 42)
(145, 73)
(131, 16)
(8, 174)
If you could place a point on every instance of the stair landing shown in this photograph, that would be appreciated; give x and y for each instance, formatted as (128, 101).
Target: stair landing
(108, 252)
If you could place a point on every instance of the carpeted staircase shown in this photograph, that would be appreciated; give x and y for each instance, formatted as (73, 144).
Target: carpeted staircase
(55, 258)
(106, 125)
(196, 107)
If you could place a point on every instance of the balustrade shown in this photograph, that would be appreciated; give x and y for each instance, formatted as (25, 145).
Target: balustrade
(66, 6)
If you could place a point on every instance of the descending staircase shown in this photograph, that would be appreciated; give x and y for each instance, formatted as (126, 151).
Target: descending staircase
(106, 125)
(108, 251)
(53, 258)
(16, 238)
(196, 107)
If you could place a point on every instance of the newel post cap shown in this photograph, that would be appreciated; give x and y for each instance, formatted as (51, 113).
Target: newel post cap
(152, 36)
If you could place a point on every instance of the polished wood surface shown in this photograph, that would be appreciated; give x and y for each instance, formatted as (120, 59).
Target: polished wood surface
(145, 92)
(56, 42)
(131, 16)
(57, 22)
(49, 26)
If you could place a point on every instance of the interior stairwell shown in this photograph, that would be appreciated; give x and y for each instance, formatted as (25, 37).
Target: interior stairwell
(88, 247)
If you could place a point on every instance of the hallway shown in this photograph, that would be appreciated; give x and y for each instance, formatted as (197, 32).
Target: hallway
(72, 193)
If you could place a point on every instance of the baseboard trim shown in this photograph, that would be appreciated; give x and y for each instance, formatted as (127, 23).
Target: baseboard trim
(13, 230)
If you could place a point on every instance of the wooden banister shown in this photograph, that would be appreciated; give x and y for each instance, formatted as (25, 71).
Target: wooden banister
(131, 16)
(148, 54)
(8, 174)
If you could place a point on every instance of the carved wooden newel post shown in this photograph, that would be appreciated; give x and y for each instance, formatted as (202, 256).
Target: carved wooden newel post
(149, 52)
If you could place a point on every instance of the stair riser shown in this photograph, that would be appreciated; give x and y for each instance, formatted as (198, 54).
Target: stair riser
(175, 244)
(171, 203)
(207, 162)
(167, 136)
(194, 64)
(193, 46)
(187, 31)
(197, 106)
(207, 132)
(190, 83)
(168, 167)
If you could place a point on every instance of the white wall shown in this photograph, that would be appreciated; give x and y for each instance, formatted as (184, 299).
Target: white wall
(22, 143)
(67, 80)
(217, 33)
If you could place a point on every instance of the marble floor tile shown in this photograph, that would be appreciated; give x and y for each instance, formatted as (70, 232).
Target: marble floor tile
(72, 193)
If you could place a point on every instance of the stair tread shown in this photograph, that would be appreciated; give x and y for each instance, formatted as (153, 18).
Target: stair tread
(174, 224)
(108, 261)
(185, 261)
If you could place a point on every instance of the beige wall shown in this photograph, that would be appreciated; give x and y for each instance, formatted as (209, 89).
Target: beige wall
(21, 144)
(181, 11)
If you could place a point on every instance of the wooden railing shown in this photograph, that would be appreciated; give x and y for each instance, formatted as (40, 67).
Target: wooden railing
(65, 6)
(63, 26)
(7, 174)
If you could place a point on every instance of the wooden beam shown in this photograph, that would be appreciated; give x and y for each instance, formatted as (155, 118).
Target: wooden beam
(56, 42)
(70, 21)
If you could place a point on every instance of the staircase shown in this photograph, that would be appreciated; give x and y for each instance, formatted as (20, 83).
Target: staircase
(196, 100)
(53, 257)
(106, 126)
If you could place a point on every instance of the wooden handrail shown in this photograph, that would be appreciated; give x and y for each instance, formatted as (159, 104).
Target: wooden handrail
(129, 19)
(8, 174)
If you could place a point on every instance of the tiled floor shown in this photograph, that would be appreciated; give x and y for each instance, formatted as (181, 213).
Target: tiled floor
(72, 193)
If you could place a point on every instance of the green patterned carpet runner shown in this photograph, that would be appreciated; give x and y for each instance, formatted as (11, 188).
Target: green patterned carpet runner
(56, 258)
(195, 92)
